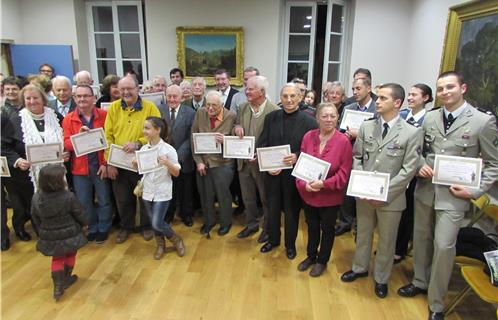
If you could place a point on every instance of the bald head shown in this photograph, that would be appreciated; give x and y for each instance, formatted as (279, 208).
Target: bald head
(173, 96)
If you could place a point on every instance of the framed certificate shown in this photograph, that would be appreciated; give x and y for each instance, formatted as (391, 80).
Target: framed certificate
(157, 98)
(368, 185)
(205, 143)
(121, 159)
(450, 170)
(89, 141)
(309, 168)
(271, 158)
(105, 106)
(44, 153)
(5, 167)
(147, 160)
(353, 119)
(237, 148)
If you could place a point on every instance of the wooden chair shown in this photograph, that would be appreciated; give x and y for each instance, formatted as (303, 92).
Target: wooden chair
(480, 205)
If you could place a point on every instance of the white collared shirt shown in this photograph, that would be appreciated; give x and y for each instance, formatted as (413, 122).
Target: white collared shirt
(63, 108)
(225, 94)
(177, 110)
(197, 104)
(416, 117)
(389, 123)
(261, 109)
(457, 112)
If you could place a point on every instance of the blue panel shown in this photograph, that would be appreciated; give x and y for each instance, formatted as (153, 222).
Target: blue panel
(26, 58)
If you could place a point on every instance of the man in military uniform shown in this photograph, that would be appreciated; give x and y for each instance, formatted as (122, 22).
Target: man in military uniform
(456, 129)
(386, 144)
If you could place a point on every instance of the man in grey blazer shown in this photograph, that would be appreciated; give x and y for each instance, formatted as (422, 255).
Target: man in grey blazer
(62, 88)
(387, 144)
(179, 118)
(456, 129)
(362, 90)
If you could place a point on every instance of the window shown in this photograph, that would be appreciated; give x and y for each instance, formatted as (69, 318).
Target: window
(117, 44)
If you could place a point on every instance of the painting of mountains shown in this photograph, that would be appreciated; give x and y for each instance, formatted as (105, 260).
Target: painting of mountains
(205, 53)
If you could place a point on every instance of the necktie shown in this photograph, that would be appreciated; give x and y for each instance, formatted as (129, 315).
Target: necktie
(196, 106)
(449, 121)
(411, 120)
(173, 111)
(213, 122)
(386, 128)
(450, 118)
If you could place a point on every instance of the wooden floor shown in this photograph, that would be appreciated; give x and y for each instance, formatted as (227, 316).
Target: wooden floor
(219, 278)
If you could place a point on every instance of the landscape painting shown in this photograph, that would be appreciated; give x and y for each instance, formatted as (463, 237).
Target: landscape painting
(203, 50)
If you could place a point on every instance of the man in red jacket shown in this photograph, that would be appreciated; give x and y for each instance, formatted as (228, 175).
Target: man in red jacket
(89, 170)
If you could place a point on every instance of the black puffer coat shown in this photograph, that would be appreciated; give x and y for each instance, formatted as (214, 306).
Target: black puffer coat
(59, 217)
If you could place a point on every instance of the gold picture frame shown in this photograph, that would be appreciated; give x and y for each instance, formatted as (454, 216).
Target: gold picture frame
(203, 50)
(463, 51)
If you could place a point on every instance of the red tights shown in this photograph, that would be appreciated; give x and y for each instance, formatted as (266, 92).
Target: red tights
(59, 262)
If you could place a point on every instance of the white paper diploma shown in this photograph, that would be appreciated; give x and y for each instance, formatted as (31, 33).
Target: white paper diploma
(450, 170)
(121, 159)
(5, 171)
(368, 185)
(353, 119)
(44, 153)
(234, 147)
(89, 141)
(105, 106)
(309, 168)
(271, 158)
(157, 98)
(147, 160)
(205, 143)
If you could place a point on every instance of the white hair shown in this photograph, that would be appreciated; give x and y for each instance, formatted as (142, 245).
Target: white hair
(291, 85)
(215, 94)
(62, 78)
(174, 87)
(82, 73)
(185, 83)
(261, 82)
(203, 81)
(159, 77)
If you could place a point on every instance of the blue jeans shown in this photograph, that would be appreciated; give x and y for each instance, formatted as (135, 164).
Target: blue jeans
(99, 214)
(156, 211)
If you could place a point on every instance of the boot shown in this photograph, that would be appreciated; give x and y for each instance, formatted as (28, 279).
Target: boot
(160, 247)
(58, 278)
(178, 244)
(69, 278)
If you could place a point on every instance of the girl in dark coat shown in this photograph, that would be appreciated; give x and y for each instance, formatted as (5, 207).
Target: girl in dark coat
(60, 220)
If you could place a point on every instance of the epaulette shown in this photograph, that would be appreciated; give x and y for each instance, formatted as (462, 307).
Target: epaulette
(434, 109)
(372, 118)
(486, 111)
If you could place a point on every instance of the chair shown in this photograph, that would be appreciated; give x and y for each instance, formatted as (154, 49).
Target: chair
(480, 204)
(478, 281)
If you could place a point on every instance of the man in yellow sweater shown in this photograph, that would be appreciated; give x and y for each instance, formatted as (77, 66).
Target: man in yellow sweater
(124, 127)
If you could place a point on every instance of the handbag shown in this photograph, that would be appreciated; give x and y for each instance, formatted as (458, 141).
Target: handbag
(139, 188)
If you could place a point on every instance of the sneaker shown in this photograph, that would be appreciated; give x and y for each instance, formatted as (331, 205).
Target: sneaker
(91, 236)
(101, 237)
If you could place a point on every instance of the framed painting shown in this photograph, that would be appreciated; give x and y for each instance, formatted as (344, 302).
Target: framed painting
(471, 48)
(203, 50)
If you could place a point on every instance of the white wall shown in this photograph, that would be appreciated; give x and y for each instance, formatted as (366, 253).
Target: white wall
(259, 18)
(11, 27)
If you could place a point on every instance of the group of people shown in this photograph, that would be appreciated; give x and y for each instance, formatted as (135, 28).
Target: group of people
(402, 143)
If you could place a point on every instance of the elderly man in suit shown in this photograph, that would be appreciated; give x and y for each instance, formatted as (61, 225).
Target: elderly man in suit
(250, 122)
(179, 118)
(390, 145)
(62, 88)
(456, 129)
(198, 90)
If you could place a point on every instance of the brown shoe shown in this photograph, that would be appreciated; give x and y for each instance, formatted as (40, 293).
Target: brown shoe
(317, 270)
(161, 247)
(178, 244)
(147, 235)
(123, 235)
(305, 264)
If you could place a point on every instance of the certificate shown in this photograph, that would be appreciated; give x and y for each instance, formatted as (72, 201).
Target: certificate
(271, 158)
(309, 168)
(105, 105)
(147, 160)
(234, 147)
(44, 153)
(353, 119)
(5, 167)
(205, 143)
(121, 159)
(449, 170)
(157, 98)
(89, 141)
(368, 185)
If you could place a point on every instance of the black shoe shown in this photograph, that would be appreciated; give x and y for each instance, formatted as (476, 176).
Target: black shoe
(23, 235)
(291, 253)
(168, 219)
(305, 264)
(246, 232)
(267, 247)
(5, 243)
(436, 315)
(188, 221)
(410, 290)
(238, 210)
(318, 269)
(101, 237)
(381, 289)
(350, 276)
(91, 236)
(205, 229)
(342, 230)
(224, 230)
(263, 237)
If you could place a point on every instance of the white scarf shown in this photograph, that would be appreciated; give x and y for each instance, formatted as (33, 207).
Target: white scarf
(31, 135)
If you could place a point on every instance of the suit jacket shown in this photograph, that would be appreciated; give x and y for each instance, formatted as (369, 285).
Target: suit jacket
(473, 134)
(190, 103)
(181, 135)
(228, 102)
(53, 104)
(352, 100)
(405, 112)
(397, 154)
